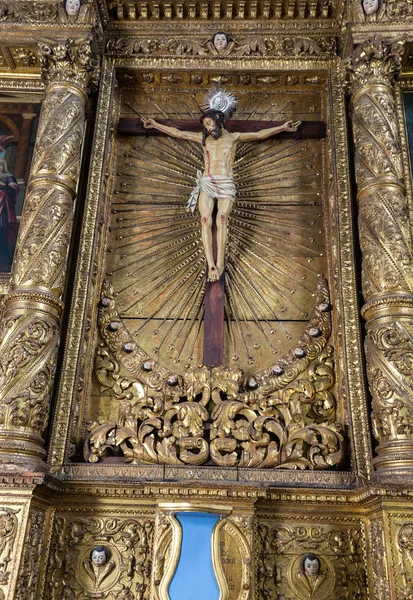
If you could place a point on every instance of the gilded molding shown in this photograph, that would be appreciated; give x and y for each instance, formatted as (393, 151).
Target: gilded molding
(8, 528)
(231, 548)
(380, 584)
(14, 508)
(166, 555)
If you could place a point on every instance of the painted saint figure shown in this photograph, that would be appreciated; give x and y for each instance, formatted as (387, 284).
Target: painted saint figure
(216, 183)
(8, 221)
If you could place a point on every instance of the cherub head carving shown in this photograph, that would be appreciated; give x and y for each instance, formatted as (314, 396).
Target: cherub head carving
(310, 565)
(370, 6)
(99, 556)
(220, 41)
(72, 7)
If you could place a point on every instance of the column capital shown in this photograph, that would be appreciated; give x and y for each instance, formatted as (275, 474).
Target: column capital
(374, 62)
(70, 62)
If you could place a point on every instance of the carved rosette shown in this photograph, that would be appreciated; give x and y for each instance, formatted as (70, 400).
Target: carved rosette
(386, 244)
(32, 310)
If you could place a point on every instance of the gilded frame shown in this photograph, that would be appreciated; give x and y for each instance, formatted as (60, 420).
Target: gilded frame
(76, 369)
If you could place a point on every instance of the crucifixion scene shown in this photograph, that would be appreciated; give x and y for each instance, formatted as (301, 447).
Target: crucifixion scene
(217, 180)
(217, 236)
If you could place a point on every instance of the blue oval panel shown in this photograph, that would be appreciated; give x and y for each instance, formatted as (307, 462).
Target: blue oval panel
(194, 576)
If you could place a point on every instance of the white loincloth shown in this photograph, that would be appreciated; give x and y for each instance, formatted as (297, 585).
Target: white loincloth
(216, 186)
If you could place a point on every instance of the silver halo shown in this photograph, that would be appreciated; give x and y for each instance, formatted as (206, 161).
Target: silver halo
(225, 102)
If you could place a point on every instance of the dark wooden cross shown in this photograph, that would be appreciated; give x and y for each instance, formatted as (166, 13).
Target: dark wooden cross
(213, 354)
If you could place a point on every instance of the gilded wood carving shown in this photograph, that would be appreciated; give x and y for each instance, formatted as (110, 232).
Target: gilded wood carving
(33, 309)
(386, 244)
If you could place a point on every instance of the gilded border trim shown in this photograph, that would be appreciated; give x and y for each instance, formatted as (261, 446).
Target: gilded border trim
(173, 559)
(216, 562)
(352, 365)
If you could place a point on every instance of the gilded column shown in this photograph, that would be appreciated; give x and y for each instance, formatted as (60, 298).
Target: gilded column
(30, 326)
(387, 260)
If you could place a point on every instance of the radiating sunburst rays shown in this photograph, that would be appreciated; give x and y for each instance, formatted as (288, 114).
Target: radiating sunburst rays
(275, 244)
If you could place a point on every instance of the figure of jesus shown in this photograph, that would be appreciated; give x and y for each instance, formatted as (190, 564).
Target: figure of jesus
(216, 183)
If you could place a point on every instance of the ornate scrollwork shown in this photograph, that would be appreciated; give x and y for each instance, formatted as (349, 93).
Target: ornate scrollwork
(43, 11)
(274, 419)
(380, 574)
(390, 353)
(388, 10)
(29, 344)
(127, 546)
(252, 46)
(405, 545)
(282, 548)
(25, 11)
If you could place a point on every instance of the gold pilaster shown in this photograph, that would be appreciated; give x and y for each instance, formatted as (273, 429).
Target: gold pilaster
(386, 245)
(30, 325)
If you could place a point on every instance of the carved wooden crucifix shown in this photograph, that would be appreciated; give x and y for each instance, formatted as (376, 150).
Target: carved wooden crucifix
(217, 183)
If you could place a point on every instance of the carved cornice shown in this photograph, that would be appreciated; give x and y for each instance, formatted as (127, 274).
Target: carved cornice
(217, 10)
(373, 63)
(70, 62)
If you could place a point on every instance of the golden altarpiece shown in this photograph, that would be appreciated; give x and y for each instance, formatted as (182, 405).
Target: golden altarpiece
(277, 400)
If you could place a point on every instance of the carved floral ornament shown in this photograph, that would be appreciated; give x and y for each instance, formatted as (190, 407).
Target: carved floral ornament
(284, 416)
(251, 46)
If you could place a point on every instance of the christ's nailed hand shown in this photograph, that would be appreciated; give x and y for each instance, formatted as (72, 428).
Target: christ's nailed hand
(292, 126)
(148, 123)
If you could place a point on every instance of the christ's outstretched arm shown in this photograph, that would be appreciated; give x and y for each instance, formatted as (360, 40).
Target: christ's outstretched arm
(172, 131)
(267, 133)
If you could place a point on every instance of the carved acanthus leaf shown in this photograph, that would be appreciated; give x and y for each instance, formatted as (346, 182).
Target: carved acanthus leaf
(373, 62)
(70, 61)
(252, 46)
(274, 419)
